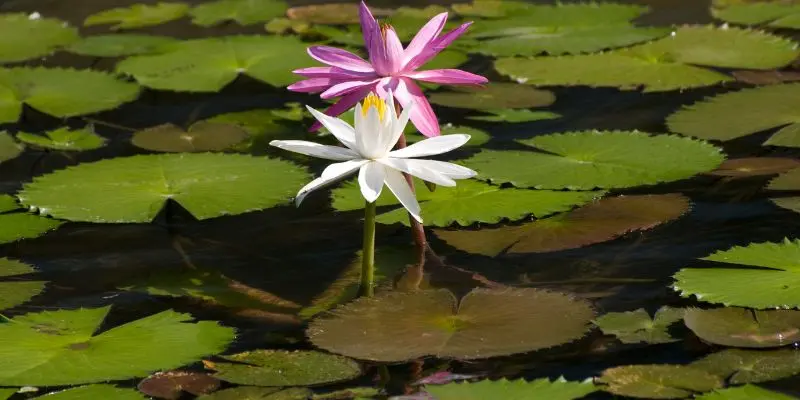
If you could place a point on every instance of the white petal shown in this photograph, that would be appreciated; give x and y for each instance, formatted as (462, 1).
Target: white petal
(398, 126)
(418, 169)
(338, 128)
(331, 174)
(398, 185)
(368, 134)
(334, 153)
(370, 180)
(447, 169)
(432, 146)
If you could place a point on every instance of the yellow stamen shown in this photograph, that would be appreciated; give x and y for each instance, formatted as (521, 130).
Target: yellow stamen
(373, 101)
(384, 27)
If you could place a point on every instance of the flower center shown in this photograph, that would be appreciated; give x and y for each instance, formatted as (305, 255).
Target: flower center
(385, 27)
(373, 101)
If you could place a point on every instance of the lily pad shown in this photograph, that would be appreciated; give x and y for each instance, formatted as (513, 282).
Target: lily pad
(258, 393)
(666, 64)
(65, 139)
(56, 348)
(658, 381)
(121, 44)
(601, 221)
(207, 65)
(135, 189)
(485, 323)
(741, 327)
(787, 181)
(494, 96)
(514, 116)
(9, 148)
(6, 393)
(100, 391)
(751, 366)
(760, 275)
(15, 224)
(285, 368)
(23, 37)
(245, 12)
(559, 389)
(772, 14)
(8, 203)
(755, 166)
(720, 117)
(15, 292)
(171, 385)
(61, 92)
(469, 202)
(477, 137)
(138, 15)
(492, 8)
(597, 159)
(637, 326)
(262, 127)
(746, 392)
(201, 136)
(331, 14)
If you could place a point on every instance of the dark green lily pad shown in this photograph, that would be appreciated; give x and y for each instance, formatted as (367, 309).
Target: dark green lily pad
(658, 381)
(637, 326)
(746, 392)
(331, 13)
(597, 222)
(492, 8)
(494, 96)
(121, 44)
(787, 181)
(283, 26)
(356, 393)
(65, 139)
(258, 393)
(16, 224)
(485, 323)
(15, 292)
(68, 353)
(741, 327)
(134, 189)
(9, 148)
(477, 137)
(23, 37)
(751, 366)
(138, 15)
(201, 136)
(514, 116)
(755, 166)
(171, 385)
(99, 391)
(6, 393)
(245, 12)
(559, 389)
(772, 14)
(285, 368)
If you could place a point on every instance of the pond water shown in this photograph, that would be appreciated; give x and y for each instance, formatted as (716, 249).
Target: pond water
(258, 272)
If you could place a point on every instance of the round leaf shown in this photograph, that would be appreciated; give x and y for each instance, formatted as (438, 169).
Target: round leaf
(751, 366)
(65, 139)
(201, 136)
(172, 384)
(637, 326)
(9, 148)
(15, 292)
(94, 392)
(755, 166)
(245, 12)
(23, 37)
(746, 392)
(331, 14)
(559, 389)
(657, 381)
(477, 137)
(773, 14)
(21, 225)
(285, 368)
(740, 327)
(494, 96)
(514, 116)
(122, 44)
(258, 393)
(138, 15)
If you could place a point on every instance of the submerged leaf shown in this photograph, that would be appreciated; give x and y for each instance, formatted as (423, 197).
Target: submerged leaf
(285, 368)
(121, 44)
(751, 366)
(9, 148)
(172, 384)
(396, 326)
(16, 292)
(100, 391)
(245, 12)
(23, 37)
(138, 15)
(755, 166)
(560, 389)
(65, 139)
(201, 136)
(637, 326)
(773, 14)
(741, 327)
(494, 96)
(657, 381)
(746, 392)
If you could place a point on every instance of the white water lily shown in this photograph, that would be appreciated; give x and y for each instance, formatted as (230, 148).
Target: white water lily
(368, 149)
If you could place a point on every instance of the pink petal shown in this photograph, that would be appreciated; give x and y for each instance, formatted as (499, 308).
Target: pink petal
(448, 76)
(369, 27)
(343, 88)
(331, 72)
(313, 85)
(385, 85)
(339, 58)
(344, 104)
(422, 115)
(435, 47)
(426, 34)
(394, 51)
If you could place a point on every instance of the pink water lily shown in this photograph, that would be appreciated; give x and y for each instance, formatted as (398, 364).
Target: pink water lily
(390, 68)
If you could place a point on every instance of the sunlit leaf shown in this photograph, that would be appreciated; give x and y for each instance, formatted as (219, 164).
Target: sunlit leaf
(746, 392)
(494, 96)
(5, 393)
(23, 37)
(331, 14)
(9, 148)
(138, 15)
(100, 391)
(597, 159)
(637, 326)
(15, 224)
(208, 65)
(597, 222)
(773, 14)
(468, 202)
(751, 366)
(514, 116)
(245, 12)
(8, 203)
(14, 292)
(285, 368)
(65, 139)
(787, 181)
(258, 393)
(121, 44)
(201, 136)
(755, 166)
(55, 348)
(485, 323)
(477, 137)
(559, 389)
(492, 8)
(172, 384)
(356, 393)
(135, 189)
(741, 327)
(657, 381)
(282, 26)
(262, 126)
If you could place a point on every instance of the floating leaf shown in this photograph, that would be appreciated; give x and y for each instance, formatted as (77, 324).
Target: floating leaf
(494, 96)
(477, 137)
(597, 159)
(559, 389)
(21, 225)
(262, 126)
(787, 181)
(23, 37)
(201, 136)
(755, 166)
(485, 323)
(138, 15)
(94, 392)
(7, 203)
(720, 117)
(637, 326)
(16, 292)
(741, 327)
(6, 393)
(245, 12)
(9, 148)
(772, 283)
(657, 381)
(469, 202)
(134, 189)
(601, 221)
(121, 44)
(357, 393)
(751, 366)
(772, 14)
(172, 384)
(331, 14)
(207, 65)
(492, 8)
(55, 348)
(258, 393)
(514, 116)
(286, 368)
(65, 139)
(746, 392)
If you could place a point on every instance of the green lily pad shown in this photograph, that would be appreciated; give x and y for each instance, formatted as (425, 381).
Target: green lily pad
(485, 323)
(9, 148)
(597, 159)
(492, 8)
(741, 327)
(666, 64)
(751, 366)
(771, 14)
(56, 348)
(657, 381)
(172, 384)
(356, 393)
(761, 275)
(787, 181)
(245, 12)
(755, 166)
(468, 202)
(15, 292)
(65, 139)
(207, 65)
(100, 391)
(331, 13)
(477, 138)
(285, 368)
(8, 203)
(597, 222)
(61, 92)
(258, 393)
(17, 225)
(23, 37)
(6, 393)
(514, 116)
(720, 117)
(262, 126)
(134, 189)
(201, 136)
(121, 44)
(559, 389)
(746, 392)
(494, 96)
(637, 326)
(138, 15)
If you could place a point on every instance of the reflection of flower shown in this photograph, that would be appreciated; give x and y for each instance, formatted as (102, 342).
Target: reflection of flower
(368, 149)
(390, 67)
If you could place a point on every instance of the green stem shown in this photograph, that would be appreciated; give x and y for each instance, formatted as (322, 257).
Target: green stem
(368, 252)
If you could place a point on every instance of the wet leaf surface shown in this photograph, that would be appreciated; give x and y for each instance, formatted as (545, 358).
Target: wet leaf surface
(201, 136)
(657, 381)
(285, 368)
(559, 389)
(741, 327)
(171, 385)
(637, 326)
(23, 37)
(751, 366)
